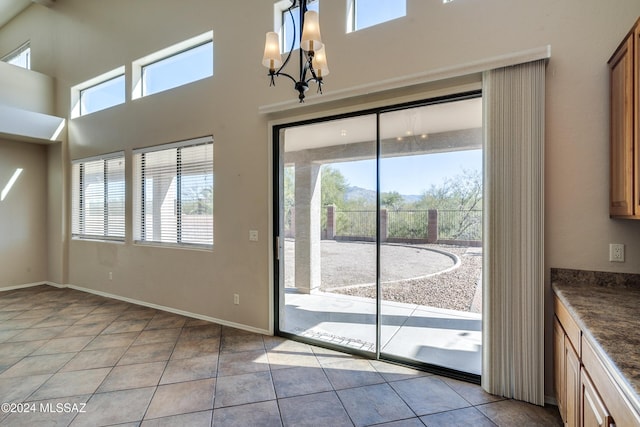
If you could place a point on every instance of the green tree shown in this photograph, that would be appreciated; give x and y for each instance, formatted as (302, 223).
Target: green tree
(462, 193)
(198, 200)
(392, 200)
(334, 187)
(289, 187)
(333, 191)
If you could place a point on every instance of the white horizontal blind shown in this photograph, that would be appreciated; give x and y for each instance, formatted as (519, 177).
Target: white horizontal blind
(173, 193)
(98, 198)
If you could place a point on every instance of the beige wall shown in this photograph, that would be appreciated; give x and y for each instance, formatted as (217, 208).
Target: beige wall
(79, 39)
(26, 90)
(56, 215)
(23, 214)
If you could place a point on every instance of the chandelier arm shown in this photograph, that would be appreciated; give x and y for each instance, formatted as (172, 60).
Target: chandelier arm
(309, 66)
(280, 73)
(293, 39)
(303, 68)
(284, 64)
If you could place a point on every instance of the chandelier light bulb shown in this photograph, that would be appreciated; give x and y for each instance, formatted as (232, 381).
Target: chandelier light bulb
(320, 63)
(272, 58)
(311, 40)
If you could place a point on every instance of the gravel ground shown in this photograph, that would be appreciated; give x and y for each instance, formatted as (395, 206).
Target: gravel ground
(454, 289)
(414, 274)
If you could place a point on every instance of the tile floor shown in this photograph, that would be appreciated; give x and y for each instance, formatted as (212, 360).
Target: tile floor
(72, 358)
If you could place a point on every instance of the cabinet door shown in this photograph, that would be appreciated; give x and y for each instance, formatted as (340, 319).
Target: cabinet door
(636, 113)
(593, 411)
(558, 359)
(622, 131)
(572, 384)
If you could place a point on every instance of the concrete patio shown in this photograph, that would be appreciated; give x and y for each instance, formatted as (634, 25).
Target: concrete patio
(447, 338)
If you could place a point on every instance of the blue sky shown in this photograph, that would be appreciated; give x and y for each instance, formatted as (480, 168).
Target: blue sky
(410, 175)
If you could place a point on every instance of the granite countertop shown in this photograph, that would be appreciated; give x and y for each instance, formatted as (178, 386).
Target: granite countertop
(606, 307)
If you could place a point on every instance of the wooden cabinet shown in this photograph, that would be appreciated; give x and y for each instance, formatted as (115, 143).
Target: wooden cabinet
(572, 385)
(624, 184)
(567, 374)
(578, 399)
(594, 413)
(558, 361)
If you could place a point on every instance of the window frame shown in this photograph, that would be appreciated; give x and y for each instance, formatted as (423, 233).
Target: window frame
(82, 92)
(77, 90)
(280, 18)
(139, 199)
(352, 17)
(16, 53)
(139, 65)
(77, 190)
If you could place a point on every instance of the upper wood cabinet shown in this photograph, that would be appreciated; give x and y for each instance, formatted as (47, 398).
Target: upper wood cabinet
(624, 201)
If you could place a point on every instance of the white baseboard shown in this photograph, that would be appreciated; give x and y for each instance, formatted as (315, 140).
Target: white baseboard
(56, 285)
(144, 304)
(171, 310)
(26, 285)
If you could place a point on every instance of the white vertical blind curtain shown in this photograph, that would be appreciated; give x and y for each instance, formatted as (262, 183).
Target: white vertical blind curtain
(513, 274)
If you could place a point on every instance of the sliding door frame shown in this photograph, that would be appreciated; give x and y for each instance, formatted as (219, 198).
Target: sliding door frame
(278, 244)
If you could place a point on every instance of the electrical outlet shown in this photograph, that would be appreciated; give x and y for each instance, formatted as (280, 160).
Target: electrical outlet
(236, 299)
(253, 235)
(110, 275)
(616, 252)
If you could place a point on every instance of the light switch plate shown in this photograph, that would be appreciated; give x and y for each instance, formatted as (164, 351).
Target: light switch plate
(253, 235)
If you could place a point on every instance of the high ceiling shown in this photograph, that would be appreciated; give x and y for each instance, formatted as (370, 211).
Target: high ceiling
(11, 8)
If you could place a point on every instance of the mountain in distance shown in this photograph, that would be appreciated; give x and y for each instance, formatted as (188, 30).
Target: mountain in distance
(356, 193)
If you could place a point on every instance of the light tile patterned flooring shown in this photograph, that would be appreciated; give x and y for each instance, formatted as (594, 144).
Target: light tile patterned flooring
(72, 358)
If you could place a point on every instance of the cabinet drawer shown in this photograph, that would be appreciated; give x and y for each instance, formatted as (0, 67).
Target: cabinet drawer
(612, 396)
(593, 412)
(569, 325)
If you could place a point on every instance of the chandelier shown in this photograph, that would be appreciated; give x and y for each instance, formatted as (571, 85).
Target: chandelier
(313, 61)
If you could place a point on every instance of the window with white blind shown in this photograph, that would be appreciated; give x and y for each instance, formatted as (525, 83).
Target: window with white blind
(173, 193)
(98, 198)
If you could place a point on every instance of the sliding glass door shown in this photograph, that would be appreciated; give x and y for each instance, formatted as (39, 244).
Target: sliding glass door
(431, 234)
(317, 266)
(378, 224)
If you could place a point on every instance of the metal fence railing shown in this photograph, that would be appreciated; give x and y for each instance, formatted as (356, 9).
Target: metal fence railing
(460, 225)
(407, 224)
(356, 223)
(451, 225)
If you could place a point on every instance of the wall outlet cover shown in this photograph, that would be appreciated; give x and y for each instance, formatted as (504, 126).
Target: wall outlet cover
(616, 252)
